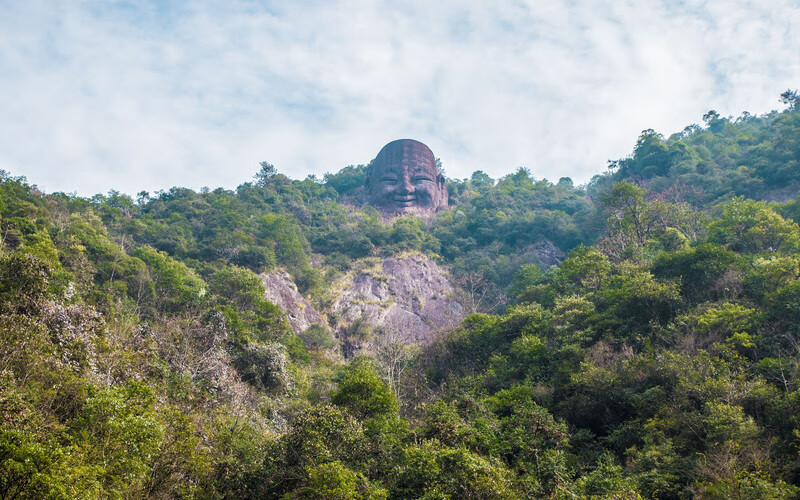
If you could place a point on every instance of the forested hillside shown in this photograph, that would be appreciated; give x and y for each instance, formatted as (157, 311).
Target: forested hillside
(659, 357)
(752, 156)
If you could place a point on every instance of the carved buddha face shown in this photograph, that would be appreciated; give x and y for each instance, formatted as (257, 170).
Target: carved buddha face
(404, 178)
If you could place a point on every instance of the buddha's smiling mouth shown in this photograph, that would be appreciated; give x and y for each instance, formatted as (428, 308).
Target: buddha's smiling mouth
(405, 200)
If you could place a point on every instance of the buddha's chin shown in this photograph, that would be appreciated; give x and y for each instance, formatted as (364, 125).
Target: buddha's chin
(409, 209)
(406, 205)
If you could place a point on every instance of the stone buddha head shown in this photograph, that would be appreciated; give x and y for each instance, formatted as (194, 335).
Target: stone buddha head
(404, 178)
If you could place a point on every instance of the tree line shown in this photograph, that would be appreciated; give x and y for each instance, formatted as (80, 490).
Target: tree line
(139, 358)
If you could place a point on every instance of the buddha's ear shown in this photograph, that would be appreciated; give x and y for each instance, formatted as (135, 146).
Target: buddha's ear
(440, 180)
(368, 176)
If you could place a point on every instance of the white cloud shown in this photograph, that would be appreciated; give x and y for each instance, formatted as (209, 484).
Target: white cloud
(132, 96)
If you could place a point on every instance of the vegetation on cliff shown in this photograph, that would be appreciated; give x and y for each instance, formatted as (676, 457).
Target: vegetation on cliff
(139, 358)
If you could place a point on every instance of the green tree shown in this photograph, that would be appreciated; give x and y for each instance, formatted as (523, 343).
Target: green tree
(792, 98)
(265, 173)
(319, 435)
(607, 481)
(363, 393)
(120, 434)
(176, 285)
(629, 211)
(334, 481)
(750, 226)
(347, 179)
(432, 471)
(706, 272)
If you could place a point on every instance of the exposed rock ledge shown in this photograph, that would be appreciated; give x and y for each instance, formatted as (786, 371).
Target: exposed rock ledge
(281, 290)
(408, 298)
(544, 254)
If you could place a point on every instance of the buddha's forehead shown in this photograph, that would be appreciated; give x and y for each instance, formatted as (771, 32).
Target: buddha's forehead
(405, 154)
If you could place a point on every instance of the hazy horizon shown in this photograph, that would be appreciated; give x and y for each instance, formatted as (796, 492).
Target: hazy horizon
(152, 95)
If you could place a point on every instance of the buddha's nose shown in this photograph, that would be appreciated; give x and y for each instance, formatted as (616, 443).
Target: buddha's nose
(406, 186)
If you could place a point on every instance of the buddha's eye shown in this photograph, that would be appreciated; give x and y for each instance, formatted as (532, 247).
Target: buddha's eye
(390, 180)
(421, 179)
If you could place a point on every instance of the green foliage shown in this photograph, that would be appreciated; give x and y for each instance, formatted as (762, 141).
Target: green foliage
(239, 285)
(443, 423)
(532, 441)
(264, 365)
(751, 156)
(118, 433)
(784, 306)
(651, 157)
(31, 469)
(176, 285)
(749, 226)
(346, 179)
(629, 213)
(24, 283)
(659, 359)
(334, 481)
(673, 240)
(634, 300)
(747, 485)
(607, 481)
(239, 294)
(656, 468)
(527, 284)
(585, 269)
(320, 435)
(40, 245)
(408, 234)
(503, 226)
(638, 226)
(706, 272)
(432, 471)
(362, 393)
(318, 337)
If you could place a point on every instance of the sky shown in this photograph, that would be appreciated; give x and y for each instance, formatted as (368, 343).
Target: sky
(147, 95)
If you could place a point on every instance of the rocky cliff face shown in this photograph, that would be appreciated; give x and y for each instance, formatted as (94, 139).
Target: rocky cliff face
(282, 291)
(403, 299)
(408, 299)
(544, 254)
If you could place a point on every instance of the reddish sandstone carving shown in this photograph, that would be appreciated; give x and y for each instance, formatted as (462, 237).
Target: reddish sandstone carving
(404, 178)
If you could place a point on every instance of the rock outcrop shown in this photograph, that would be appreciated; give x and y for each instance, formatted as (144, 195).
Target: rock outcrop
(544, 254)
(281, 290)
(407, 299)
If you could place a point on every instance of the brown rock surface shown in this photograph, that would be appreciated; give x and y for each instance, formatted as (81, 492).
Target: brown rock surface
(545, 254)
(281, 290)
(407, 298)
